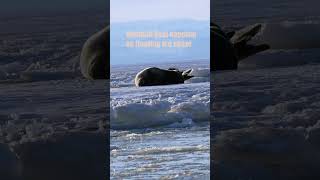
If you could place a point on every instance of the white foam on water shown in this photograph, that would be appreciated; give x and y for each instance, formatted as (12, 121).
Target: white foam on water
(152, 154)
(175, 149)
(156, 106)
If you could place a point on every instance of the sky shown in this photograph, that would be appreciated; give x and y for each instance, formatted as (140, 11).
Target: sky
(159, 15)
(135, 10)
(120, 54)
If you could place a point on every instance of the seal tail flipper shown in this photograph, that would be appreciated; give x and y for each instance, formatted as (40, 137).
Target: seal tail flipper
(244, 35)
(241, 38)
(186, 74)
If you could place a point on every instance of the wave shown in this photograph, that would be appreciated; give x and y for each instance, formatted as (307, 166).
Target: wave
(175, 106)
(175, 149)
(166, 150)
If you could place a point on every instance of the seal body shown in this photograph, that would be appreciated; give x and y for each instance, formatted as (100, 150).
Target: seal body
(95, 56)
(153, 76)
(228, 48)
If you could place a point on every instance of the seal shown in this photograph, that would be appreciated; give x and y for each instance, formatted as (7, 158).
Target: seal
(228, 48)
(154, 76)
(95, 56)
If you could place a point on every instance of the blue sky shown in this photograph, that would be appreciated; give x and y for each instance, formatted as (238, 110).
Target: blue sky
(135, 10)
(159, 15)
(122, 55)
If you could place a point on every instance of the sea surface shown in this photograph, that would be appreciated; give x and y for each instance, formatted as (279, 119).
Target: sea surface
(160, 131)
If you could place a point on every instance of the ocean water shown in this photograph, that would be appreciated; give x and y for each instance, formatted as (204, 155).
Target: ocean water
(160, 131)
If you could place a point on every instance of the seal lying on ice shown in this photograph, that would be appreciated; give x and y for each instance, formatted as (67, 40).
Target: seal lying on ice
(155, 76)
(95, 56)
(227, 49)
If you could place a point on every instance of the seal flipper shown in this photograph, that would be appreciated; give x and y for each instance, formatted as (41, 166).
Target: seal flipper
(185, 74)
(242, 37)
(246, 34)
